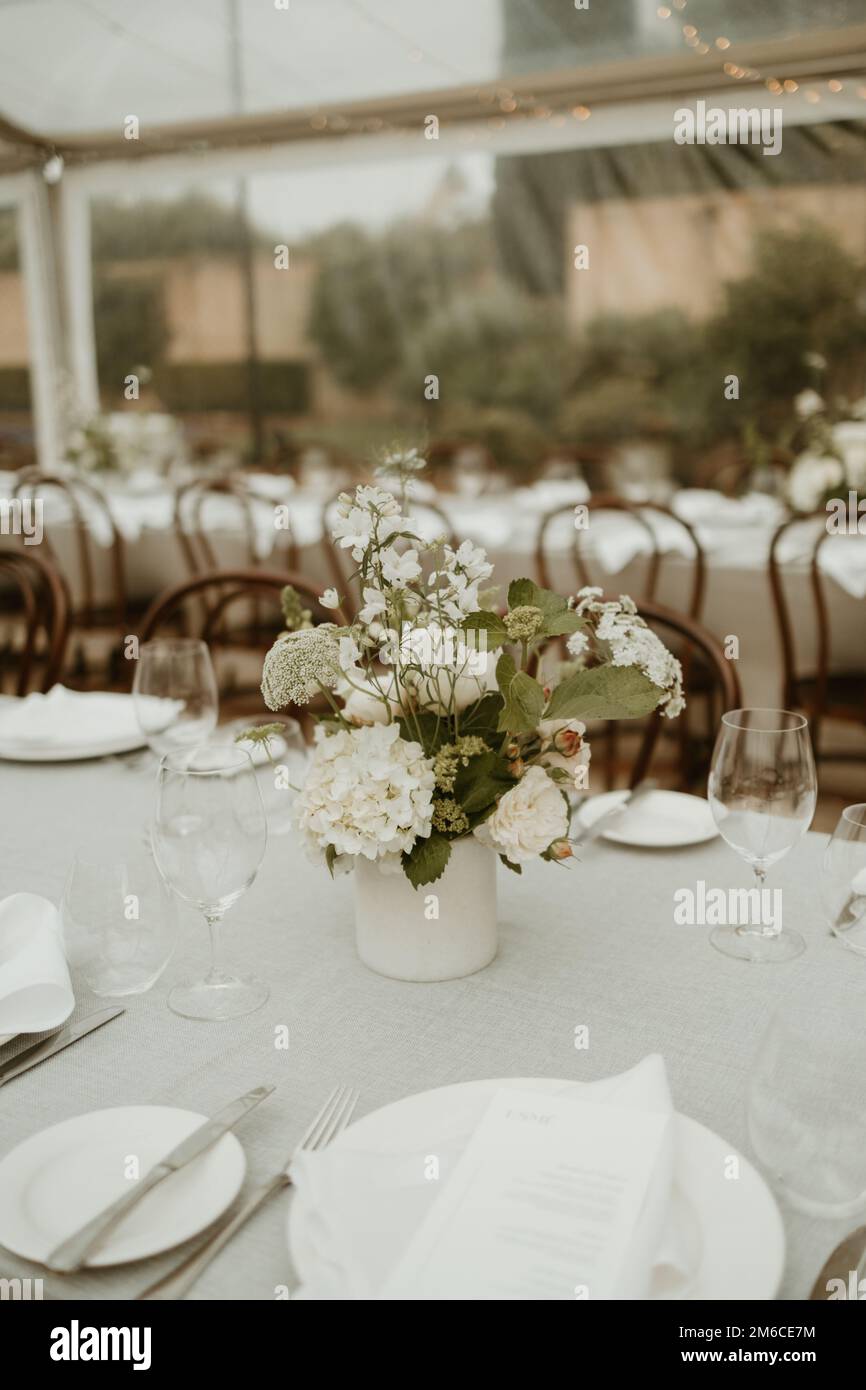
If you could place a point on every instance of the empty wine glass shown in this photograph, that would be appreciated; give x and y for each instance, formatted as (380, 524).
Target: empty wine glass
(843, 879)
(175, 691)
(209, 837)
(804, 1099)
(119, 918)
(762, 792)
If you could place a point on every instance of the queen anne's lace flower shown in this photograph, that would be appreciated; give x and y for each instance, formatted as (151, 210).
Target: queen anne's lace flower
(632, 643)
(299, 664)
(368, 792)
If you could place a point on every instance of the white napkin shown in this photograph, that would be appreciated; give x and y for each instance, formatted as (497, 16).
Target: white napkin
(35, 989)
(357, 1207)
(64, 718)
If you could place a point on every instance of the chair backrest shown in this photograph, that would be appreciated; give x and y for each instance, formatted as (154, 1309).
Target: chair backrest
(340, 564)
(32, 592)
(221, 588)
(707, 674)
(636, 511)
(196, 542)
(81, 496)
(821, 607)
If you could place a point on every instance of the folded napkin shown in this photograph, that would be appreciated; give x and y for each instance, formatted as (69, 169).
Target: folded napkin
(35, 989)
(68, 717)
(358, 1207)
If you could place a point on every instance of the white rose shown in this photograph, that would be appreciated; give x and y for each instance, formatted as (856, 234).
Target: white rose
(527, 820)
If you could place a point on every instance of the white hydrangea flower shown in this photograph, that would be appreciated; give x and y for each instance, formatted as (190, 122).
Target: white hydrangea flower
(368, 792)
(299, 664)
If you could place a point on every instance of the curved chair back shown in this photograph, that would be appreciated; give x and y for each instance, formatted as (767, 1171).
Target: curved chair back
(88, 607)
(32, 593)
(196, 542)
(636, 511)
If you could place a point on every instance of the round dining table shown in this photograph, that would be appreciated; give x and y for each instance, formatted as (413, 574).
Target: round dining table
(589, 950)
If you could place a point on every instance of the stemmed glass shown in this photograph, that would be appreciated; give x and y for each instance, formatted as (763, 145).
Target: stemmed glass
(175, 692)
(119, 919)
(209, 837)
(803, 1102)
(843, 879)
(762, 793)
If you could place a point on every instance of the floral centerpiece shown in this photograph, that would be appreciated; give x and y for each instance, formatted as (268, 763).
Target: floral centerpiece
(831, 459)
(441, 741)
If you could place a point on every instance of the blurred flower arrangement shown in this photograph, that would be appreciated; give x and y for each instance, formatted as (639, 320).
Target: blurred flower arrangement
(831, 458)
(437, 727)
(121, 443)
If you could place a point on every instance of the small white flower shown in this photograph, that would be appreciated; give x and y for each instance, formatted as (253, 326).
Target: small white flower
(577, 643)
(400, 569)
(375, 604)
(330, 599)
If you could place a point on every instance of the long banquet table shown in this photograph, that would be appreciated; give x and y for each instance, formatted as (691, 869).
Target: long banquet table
(593, 943)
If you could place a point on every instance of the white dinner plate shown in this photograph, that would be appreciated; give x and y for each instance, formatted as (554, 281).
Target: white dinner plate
(739, 1239)
(54, 1182)
(661, 819)
(12, 750)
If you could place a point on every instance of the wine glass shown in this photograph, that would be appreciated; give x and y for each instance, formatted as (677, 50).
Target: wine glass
(762, 792)
(175, 692)
(209, 836)
(118, 918)
(804, 1099)
(843, 879)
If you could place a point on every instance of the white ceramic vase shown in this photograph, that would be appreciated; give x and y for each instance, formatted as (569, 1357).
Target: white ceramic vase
(440, 931)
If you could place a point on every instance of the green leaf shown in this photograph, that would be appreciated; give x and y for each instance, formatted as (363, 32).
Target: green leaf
(489, 623)
(558, 624)
(526, 591)
(481, 783)
(330, 856)
(604, 692)
(524, 704)
(515, 868)
(482, 718)
(506, 670)
(427, 860)
(434, 731)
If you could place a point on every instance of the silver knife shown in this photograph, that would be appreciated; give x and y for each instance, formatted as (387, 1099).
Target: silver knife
(603, 823)
(46, 1047)
(71, 1253)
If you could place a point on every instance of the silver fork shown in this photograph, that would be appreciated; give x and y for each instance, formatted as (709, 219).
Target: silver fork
(333, 1117)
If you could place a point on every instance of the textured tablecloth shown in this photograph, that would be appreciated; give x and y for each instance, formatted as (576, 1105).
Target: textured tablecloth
(593, 943)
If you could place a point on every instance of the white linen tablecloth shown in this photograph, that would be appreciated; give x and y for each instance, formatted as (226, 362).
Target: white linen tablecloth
(593, 944)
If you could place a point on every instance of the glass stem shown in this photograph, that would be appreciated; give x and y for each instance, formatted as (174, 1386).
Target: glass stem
(764, 928)
(215, 973)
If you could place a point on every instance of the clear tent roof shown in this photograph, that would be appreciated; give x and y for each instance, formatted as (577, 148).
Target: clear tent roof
(74, 66)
